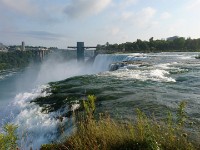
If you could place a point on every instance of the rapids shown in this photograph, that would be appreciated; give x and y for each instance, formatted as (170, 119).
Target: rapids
(153, 82)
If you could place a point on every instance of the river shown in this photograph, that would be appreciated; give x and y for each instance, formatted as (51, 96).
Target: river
(153, 82)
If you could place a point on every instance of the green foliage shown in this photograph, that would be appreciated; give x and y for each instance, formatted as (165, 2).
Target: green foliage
(89, 104)
(15, 59)
(8, 139)
(3, 66)
(176, 44)
(181, 114)
(49, 147)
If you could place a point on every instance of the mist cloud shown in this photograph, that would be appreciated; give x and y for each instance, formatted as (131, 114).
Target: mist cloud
(85, 8)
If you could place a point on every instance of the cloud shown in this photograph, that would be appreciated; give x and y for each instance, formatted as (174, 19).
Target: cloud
(126, 3)
(115, 30)
(147, 13)
(130, 2)
(41, 11)
(25, 7)
(178, 26)
(44, 35)
(126, 15)
(144, 17)
(141, 19)
(85, 8)
(165, 15)
(193, 5)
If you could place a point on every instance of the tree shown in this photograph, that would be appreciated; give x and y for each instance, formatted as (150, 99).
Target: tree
(151, 39)
(179, 43)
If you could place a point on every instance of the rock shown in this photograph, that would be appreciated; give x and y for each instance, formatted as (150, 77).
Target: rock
(128, 64)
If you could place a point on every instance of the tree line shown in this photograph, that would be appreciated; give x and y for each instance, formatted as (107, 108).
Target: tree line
(15, 59)
(171, 44)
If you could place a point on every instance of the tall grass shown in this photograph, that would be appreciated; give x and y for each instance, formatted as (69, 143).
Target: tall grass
(104, 133)
(8, 139)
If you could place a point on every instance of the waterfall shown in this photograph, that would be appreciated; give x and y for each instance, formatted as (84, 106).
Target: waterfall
(102, 61)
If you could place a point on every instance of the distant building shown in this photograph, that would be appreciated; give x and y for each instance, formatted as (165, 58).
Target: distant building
(3, 48)
(22, 47)
(14, 48)
(172, 38)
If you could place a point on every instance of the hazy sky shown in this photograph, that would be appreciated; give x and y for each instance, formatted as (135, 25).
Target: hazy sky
(62, 23)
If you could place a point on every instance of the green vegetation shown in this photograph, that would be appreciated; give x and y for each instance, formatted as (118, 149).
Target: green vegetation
(8, 139)
(103, 133)
(15, 59)
(172, 44)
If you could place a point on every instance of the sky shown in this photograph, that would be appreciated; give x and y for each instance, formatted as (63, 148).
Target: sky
(62, 23)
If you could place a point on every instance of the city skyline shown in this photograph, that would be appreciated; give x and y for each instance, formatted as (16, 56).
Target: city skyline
(62, 23)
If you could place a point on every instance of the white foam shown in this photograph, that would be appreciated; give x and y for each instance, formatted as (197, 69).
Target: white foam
(6, 74)
(155, 72)
(75, 107)
(143, 75)
(160, 75)
(163, 66)
(103, 61)
(137, 57)
(34, 127)
(1, 77)
(22, 99)
(185, 57)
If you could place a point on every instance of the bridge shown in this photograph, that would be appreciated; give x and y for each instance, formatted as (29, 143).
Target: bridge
(40, 54)
(81, 51)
